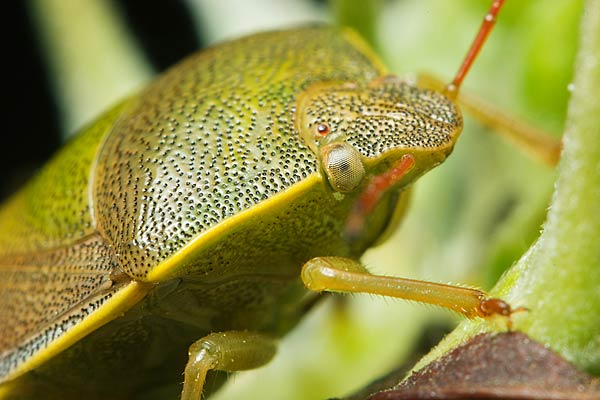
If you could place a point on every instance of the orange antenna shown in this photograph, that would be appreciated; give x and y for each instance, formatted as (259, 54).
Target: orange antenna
(488, 23)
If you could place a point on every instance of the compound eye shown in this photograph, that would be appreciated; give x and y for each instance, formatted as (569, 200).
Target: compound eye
(343, 166)
(322, 129)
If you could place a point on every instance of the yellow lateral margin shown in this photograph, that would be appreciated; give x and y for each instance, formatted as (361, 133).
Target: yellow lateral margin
(164, 270)
(116, 306)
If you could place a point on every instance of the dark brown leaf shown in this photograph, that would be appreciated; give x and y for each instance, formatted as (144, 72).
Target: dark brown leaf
(497, 366)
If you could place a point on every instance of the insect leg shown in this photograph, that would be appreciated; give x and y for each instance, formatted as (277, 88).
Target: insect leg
(532, 140)
(338, 274)
(225, 351)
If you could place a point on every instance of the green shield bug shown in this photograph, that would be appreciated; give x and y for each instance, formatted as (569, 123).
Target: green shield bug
(195, 215)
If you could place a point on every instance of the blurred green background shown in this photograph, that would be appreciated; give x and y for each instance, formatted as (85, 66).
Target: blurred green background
(470, 219)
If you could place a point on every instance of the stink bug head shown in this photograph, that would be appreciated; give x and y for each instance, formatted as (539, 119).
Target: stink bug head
(377, 123)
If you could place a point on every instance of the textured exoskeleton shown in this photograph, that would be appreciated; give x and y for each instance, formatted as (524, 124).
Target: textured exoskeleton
(191, 207)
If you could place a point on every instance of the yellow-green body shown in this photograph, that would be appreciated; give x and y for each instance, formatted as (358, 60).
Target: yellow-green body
(191, 207)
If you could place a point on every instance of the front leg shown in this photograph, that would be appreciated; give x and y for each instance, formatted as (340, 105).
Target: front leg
(225, 351)
(339, 274)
